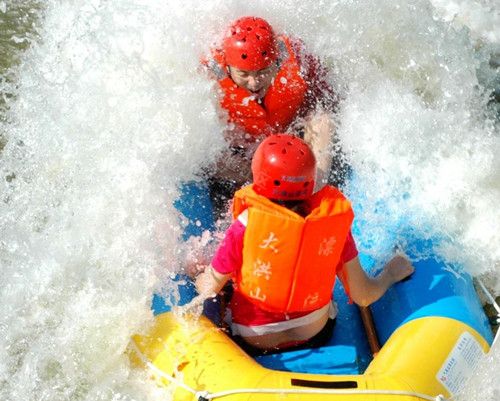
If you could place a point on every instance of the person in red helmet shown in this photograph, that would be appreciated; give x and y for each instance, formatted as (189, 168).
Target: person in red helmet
(284, 250)
(268, 84)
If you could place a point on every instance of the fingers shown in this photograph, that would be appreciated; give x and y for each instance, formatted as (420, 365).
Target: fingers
(194, 269)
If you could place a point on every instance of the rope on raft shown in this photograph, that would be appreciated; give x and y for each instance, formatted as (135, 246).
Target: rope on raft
(206, 396)
(161, 373)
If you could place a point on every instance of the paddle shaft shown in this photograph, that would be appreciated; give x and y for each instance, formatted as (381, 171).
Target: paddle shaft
(371, 333)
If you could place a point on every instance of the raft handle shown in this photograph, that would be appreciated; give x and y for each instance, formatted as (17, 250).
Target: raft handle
(323, 384)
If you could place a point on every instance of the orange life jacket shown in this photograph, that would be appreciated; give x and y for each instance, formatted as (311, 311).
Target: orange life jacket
(289, 262)
(281, 104)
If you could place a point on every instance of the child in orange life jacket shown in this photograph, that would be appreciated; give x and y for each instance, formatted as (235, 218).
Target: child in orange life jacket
(284, 250)
(268, 83)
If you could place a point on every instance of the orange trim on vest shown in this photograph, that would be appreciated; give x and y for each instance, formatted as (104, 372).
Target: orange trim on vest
(290, 262)
(281, 103)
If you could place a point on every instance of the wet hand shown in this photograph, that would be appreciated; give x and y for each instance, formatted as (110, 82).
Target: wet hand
(198, 255)
(319, 131)
(193, 269)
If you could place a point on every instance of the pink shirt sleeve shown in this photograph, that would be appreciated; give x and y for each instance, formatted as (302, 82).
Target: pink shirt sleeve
(229, 256)
(350, 250)
(348, 253)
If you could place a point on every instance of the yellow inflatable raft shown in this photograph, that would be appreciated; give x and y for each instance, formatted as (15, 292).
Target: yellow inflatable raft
(432, 329)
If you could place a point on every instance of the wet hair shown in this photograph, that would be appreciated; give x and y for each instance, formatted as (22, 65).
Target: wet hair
(301, 207)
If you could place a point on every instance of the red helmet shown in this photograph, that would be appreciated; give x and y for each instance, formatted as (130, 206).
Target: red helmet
(284, 168)
(250, 44)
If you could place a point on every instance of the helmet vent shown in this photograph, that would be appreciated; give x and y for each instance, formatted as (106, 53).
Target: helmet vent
(244, 56)
(277, 183)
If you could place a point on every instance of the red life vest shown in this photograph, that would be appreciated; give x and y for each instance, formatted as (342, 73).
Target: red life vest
(289, 262)
(280, 105)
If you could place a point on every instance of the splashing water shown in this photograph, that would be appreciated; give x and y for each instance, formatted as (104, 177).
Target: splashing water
(110, 113)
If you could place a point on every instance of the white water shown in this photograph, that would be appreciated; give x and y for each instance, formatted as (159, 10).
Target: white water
(112, 113)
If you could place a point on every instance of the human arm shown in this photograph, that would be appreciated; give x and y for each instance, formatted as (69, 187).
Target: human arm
(317, 115)
(364, 290)
(319, 132)
(210, 282)
(211, 278)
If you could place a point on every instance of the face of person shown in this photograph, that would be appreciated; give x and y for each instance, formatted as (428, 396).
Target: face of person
(256, 82)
